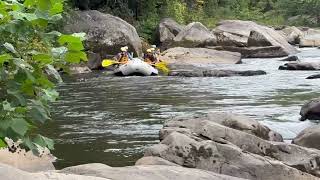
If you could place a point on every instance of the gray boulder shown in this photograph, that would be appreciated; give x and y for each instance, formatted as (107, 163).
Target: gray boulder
(291, 58)
(311, 38)
(229, 39)
(205, 142)
(311, 110)
(300, 66)
(105, 33)
(200, 56)
(254, 52)
(292, 34)
(195, 35)
(150, 172)
(167, 30)
(243, 29)
(154, 161)
(256, 39)
(309, 137)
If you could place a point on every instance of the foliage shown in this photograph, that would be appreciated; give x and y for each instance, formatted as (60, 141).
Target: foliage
(29, 56)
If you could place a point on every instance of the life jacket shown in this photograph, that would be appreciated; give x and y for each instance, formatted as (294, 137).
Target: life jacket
(149, 58)
(123, 58)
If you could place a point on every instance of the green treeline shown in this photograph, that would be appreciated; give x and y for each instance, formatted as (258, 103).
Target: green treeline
(146, 14)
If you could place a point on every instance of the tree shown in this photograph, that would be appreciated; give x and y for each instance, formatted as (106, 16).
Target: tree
(29, 54)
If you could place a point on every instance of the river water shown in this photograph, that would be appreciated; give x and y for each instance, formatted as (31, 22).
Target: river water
(111, 120)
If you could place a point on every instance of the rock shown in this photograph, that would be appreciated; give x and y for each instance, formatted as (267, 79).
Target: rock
(254, 52)
(205, 142)
(79, 69)
(152, 172)
(300, 66)
(311, 110)
(167, 31)
(291, 58)
(105, 33)
(26, 161)
(256, 39)
(94, 61)
(200, 56)
(292, 34)
(10, 173)
(229, 39)
(316, 76)
(309, 137)
(243, 29)
(311, 38)
(154, 161)
(222, 157)
(195, 35)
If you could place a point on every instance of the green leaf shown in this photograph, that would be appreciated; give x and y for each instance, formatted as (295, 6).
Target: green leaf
(68, 39)
(4, 58)
(7, 106)
(43, 58)
(56, 8)
(75, 46)
(18, 96)
(2, 144)
(29, 3)
(20, 126)
(44, 142)
(38, 112)
(76, 57)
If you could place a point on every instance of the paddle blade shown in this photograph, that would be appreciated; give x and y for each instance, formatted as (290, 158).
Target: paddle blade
(162, 66)
(108, 62)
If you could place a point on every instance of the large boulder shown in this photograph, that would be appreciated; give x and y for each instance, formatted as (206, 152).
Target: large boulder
(311, 38)
(11, 173)
(309, 137)
(229, 144)
(243, 29)
(200, 56)
(300, 66)
(105, 33)
(229, 39)
(195, 35)
(167, 30)
(254, 52)
(311, 110)
(292, 34)
(154, 172)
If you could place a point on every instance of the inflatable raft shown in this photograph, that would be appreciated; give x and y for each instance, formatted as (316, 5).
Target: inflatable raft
(136, 67)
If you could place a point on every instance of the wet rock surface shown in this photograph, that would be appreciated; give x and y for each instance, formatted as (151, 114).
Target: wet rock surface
(300, 66)
(311, 110)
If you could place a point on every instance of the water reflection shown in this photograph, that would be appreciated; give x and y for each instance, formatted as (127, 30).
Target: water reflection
(111, 120)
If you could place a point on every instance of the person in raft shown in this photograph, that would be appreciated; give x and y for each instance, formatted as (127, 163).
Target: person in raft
(124, 56)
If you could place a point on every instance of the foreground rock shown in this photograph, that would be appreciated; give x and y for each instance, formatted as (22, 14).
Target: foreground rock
(207, 143)
(10, 173)
(291, 58)
(316, 76)
(300, 66)
(311, 110)
(157, 172)
(309, 137)
(195, 35)
(200, 56)
(311, 38)
(254, 52)
(243, 30)
(187, 70)
(168, 29)
(105, 33)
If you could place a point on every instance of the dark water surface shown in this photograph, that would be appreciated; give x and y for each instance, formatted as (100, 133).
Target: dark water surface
(111, 119)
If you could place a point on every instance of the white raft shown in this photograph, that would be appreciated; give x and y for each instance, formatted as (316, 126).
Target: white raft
(136, 67)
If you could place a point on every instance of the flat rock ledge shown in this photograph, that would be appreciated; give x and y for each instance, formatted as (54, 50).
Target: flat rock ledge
(236, 146)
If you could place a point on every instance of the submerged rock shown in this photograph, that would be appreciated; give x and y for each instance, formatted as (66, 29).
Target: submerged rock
(228, 144)
(316, 76)
(195, 35)
(311, 110)
(309, 137)
(254, 52)
(200, 56)
(291, 58)
(150, 172)
(105, 33)
(300, 66)
(243, 29)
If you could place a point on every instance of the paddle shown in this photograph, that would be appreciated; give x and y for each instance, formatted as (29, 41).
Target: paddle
(162, 66)
(109, 62)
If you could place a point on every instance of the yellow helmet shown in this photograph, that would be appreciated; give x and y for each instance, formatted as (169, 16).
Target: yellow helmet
(123, 49)
(152, 49)
(149, 50)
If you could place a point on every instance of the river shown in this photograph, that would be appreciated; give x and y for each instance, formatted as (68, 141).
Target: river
(111, 120)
